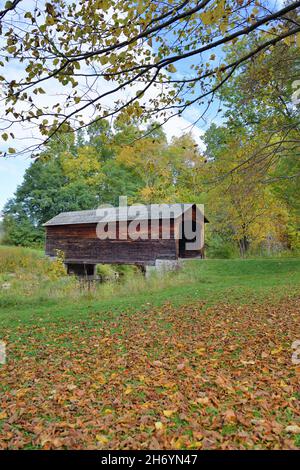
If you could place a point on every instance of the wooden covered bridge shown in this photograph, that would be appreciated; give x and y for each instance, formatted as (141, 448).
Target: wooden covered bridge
(140, 235)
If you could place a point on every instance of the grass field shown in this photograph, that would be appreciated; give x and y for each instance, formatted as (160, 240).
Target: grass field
(198, 359)
(33, 292)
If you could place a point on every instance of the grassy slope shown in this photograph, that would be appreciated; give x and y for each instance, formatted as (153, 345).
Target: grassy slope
(233, 281)
(115, 369)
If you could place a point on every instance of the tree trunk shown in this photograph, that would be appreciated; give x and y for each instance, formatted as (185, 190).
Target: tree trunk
(244, 246)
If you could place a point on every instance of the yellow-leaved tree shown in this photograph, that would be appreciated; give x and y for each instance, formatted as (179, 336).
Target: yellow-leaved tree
(170, 173)
(241, 204)
(83, 165)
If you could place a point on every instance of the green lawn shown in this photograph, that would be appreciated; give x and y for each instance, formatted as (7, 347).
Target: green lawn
(199, 359)
(233, 281)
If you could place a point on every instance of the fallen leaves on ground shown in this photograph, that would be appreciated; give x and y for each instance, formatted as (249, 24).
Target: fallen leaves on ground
(181, 378)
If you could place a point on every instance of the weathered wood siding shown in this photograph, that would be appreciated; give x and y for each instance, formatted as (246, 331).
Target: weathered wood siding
(80, 244)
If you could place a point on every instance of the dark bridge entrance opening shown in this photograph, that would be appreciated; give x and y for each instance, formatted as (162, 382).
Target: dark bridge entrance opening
(185, 240)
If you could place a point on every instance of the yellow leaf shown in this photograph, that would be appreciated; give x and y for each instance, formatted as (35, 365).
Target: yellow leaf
(223, 27)
(171, 68)
(50, 20)
(288, 41)
(206, 17)
(146, 405)
(101, 439)
(179, 443)
(3, 415)
(276, 351)
(128, 390)
(169, 413)
(101, 379)
(200, 351)
(159, 425)
(195, 445)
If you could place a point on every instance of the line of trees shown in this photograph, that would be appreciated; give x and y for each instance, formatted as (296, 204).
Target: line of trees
(104, 163)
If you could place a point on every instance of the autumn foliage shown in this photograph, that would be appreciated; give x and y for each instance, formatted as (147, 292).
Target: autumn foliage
(194, 377)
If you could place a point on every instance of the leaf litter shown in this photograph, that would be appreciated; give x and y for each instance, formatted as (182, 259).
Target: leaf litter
(191, 377)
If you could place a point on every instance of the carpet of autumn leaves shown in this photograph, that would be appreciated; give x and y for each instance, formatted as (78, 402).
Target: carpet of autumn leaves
(193, 377)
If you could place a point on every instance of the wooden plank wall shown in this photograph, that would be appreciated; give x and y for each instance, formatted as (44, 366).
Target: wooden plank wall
(81, 244)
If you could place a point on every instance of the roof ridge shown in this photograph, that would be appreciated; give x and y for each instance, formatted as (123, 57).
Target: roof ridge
(114, 213)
